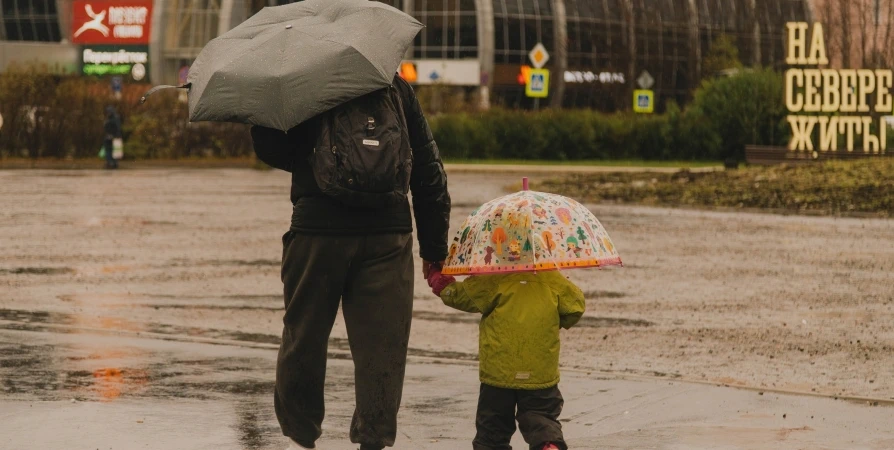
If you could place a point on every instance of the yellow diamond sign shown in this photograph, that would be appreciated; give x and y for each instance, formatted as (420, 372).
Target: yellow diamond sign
(538, 56)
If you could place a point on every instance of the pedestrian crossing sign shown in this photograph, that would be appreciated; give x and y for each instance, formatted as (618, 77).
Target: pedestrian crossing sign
(643, 101)
(537, 83)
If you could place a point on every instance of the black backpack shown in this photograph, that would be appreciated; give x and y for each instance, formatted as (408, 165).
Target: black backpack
(362, 156)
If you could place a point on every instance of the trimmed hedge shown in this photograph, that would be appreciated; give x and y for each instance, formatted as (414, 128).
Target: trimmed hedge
(62, 116)
(725, 114)
(574, 135)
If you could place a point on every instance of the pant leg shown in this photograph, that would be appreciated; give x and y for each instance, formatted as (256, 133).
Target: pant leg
(314, 271)
(378, 308)
(495, 421)
(110, 161)
(538, 417)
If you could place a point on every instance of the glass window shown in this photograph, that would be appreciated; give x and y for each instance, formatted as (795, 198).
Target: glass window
(468, 31)
(31, 20)
(12, 30)
(433, 5)
(547, 38)
(434, 31)
(515, 32)
(529, 7)
(531, 36)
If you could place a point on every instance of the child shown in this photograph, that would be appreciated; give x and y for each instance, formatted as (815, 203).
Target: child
(518, 350)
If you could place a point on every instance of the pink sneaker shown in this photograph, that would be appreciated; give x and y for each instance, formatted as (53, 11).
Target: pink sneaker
(550, 446)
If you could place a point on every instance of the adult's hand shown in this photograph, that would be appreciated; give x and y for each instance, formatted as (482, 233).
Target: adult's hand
(427, 267)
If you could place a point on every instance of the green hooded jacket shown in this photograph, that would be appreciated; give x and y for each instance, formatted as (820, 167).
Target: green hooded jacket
(518, 343)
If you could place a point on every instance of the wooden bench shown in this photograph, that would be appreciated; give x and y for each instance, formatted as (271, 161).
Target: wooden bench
(767, 155)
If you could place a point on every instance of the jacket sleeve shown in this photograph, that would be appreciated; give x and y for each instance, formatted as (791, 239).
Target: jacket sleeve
(456, 297)
(428, 182)
(475, 295)
(280, 149)
(571, 303)
(273, 147)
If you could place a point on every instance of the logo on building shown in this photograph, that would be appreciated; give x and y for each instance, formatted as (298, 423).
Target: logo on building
(111, 22)
(96, 24)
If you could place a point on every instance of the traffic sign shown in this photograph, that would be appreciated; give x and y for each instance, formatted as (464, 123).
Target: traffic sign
(537, 83)
(643, 101)
(538, 56)
(645, 80)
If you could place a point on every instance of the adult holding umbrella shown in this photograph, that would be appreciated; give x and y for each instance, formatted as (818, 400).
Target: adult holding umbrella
(318, 81)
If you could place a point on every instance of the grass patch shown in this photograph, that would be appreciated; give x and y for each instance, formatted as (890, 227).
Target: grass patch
(591, 162)
(831, 188)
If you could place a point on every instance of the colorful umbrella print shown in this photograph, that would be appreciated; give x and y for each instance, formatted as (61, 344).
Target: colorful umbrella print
(529, 231)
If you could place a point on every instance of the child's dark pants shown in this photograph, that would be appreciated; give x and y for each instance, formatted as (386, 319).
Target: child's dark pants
(538, 414)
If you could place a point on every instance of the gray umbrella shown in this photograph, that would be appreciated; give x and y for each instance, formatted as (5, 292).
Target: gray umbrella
(289, 63)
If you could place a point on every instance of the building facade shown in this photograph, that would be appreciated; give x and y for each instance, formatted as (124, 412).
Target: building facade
(597, 49)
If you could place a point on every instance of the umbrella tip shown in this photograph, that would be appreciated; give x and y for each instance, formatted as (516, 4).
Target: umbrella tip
(524, 183)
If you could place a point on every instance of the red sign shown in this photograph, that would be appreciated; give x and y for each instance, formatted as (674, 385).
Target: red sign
(111, 21)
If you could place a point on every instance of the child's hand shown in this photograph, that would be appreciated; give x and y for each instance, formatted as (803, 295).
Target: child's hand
(438, 281)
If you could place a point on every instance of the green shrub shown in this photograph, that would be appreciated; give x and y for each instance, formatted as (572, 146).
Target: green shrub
(725, 115)
(746, 108)
(61, 116)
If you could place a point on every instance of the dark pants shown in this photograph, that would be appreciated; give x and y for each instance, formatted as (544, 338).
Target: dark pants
(372, 276)
(111, 162)
(538, 414)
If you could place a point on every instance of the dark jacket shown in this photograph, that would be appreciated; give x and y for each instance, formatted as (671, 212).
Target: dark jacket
(315, 213)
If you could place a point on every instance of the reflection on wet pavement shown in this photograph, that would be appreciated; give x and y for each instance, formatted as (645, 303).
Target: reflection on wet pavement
(85, 367)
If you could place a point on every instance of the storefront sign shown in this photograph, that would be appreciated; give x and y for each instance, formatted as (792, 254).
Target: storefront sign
(575, 76)
(100, 60)
(125, 22)
(829, 96)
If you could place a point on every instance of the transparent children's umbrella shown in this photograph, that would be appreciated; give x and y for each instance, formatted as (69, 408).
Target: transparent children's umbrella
(529, 231)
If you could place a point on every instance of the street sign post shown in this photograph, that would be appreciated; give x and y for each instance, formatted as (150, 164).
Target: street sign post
(643, 101)
(537, 83)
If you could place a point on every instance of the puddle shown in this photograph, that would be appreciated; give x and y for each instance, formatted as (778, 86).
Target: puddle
(224, 262)
(612, 322)
(213, 307)
(597, 294)
(449, 318)
(32, 321)
(38, 271)
(435, 405)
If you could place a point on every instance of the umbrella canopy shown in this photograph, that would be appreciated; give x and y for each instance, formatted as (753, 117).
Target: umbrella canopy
(530, 231)
(289, 63)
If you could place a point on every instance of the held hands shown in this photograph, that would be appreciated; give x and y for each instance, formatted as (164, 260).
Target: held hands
(438, 281)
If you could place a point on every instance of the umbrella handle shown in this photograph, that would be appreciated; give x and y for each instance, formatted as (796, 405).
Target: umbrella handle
(160, 87)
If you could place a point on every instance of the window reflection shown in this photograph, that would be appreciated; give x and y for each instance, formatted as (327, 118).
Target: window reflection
(31, 20)
(451, 29)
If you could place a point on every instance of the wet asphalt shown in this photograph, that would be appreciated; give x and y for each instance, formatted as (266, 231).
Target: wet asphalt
(149, 353)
